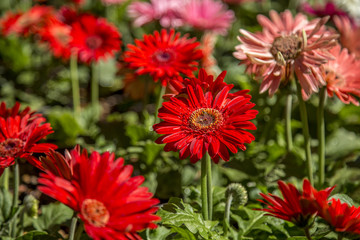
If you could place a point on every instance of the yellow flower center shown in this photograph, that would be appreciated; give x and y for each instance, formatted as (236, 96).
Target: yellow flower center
(205, 118)
(95, 212)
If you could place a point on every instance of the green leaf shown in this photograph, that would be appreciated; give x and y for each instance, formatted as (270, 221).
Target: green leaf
(36, 235)
(176, 213)
(151, 151)
(52, 215)
(185, 234)
(344, 198)
(5, 205)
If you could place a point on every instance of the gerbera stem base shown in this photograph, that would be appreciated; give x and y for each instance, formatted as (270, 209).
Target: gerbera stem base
(305, 128)
(209, 185)
(288, 108)
(159, 102)
(73, 228)
(75, 84)
(227, 212)
(307, 233)
(204, 191)
(321, 136)
(15, 196)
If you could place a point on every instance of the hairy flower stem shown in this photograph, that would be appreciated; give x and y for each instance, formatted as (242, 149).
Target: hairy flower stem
(73, 227)
(95, 89)
(288, 107)
(209, 185)
(159, 102)
(305, 128)
(227, 212)
(307, 233)
(75, 84)
(15, 196)
(321, 136)
(204, 191)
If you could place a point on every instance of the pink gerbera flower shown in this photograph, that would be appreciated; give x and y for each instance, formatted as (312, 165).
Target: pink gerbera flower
(342, 75)
(349, 34)
(166, 11)
(287, 44)
(208, 15)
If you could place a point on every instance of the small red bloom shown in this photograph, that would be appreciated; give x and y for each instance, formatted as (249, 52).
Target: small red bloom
(109, 201)
(8, 22)
(94, 38)
(342, 217)
(202, 122)
(19, 134)
(164, 56)
(296, 207)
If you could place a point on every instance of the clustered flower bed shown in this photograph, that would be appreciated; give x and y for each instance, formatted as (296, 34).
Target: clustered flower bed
(153, 120)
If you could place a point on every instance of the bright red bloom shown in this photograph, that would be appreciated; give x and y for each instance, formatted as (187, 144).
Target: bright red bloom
(109, 201)
(58, 164)
(164, 56)
(94, 38)
(8, 22)
(206, 82)
(342, 76)
(19, 134)
(342, 217)
(14, 111)
(296, 207)
(202, 122)
(57, 35)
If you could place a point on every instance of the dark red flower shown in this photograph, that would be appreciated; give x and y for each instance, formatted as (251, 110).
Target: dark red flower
(296, 207)
(109, 201)
(8, 22)
(202, 122)
(329, 9)
(342, 217)
(67, 15)
(19, 137)
(57, 35)
(164, 56)
(94, 38)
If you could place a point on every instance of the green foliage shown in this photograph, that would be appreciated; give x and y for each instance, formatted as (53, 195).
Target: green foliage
(36, 235)
(52, 216)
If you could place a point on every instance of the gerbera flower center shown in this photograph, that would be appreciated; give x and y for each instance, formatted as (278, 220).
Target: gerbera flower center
(94, 42)
(95, 212)
(205, 118)
(288, 46)
(163, 56)
(11, 147)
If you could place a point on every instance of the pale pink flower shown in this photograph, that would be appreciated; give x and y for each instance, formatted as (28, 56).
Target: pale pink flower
(166, 11)
(208, 15)
(349, 34)
(113, 2)
(286, 45)
(342, 75)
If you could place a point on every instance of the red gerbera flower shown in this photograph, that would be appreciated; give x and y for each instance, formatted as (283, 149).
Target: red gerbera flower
(203, 122)
(164, 56)
(94, 38)
(342, 76)
(110, 202)
(19, 134)
(342, 217)
(8, 22)
(296, 207)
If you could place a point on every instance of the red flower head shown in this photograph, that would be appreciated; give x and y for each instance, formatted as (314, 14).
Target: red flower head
(19, 134)
(349, 34)
(286, 45)
(8, 22)
(67, 15)
(342, 217)
(109, 201)
(342, 75)
(206, 122)
(296, 207)
(57, 34)
(164, 56)
(94, 38)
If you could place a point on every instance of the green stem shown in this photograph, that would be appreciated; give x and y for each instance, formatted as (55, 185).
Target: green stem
(204, 192)
(307, 233)
(289, 143)
(227, 212)
(209, 185)
(75, 84)
(340, 236)
(321, 136)
(15, 196)
(73, 228)
(305, 127)
(159, 102)
(79, 230)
